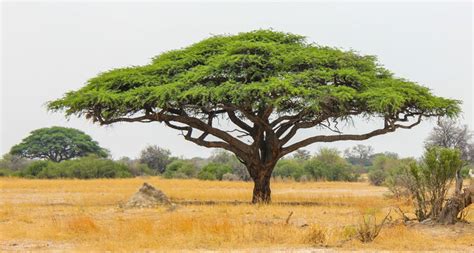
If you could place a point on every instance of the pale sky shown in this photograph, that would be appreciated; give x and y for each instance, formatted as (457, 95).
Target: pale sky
(49, 48)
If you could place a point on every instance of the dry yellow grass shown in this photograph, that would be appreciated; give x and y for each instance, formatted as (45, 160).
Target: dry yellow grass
(84, 215)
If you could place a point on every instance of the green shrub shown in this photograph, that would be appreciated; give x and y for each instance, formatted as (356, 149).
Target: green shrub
(465, 171)
(289, 168)
(382, 166)
(82, 168)
(180, 169)
(5, 172)
(428, 181)
(34, 168)
(214, 171)
(329, 165)
(377, 177)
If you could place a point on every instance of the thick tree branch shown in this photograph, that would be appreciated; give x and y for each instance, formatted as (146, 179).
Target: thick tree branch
(389, 127)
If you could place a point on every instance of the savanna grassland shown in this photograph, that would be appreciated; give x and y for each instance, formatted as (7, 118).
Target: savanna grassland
(86, 215)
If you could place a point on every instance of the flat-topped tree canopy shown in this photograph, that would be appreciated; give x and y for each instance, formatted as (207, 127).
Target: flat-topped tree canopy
(268, 84)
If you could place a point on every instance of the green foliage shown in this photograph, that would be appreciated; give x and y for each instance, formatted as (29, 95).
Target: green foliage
(248, 70)
(213, 171)
(228, 159)
(359, 155)
(5, 172)
(156, 158)
(135, 167)
(35, 168)
(465, 171)
(57, 144)
(382, 166)
(180, 169)
(329, 165)
(82, 168)
(289, 168)
(398, 178)
(13, 162)
(429, 180)
(377, 177)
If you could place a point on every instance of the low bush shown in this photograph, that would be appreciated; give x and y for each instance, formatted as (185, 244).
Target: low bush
(289, 168)
(82, 168)
(377, 177)
(213, 171)
(180, 169)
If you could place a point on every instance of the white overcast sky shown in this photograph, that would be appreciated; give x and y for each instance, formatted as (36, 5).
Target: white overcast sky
(49, 48)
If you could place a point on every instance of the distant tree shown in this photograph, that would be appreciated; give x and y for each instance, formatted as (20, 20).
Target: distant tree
(450, 134)
(214, 171)
(57, 144)
(359, 155)
(328, 165)
(180, 169)
(270, 85)
(289, 168)
(13, 162)
(135, 167)
(227, 158)
(155, 158)
(382, 165)
(302, 154)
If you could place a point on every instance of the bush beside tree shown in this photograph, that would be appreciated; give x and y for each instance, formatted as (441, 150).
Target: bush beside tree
(214, 171)
(180, 169)
(83, 168)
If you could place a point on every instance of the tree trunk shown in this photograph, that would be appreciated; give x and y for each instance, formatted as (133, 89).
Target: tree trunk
(458, 185)
(261, 190)
(454, 205)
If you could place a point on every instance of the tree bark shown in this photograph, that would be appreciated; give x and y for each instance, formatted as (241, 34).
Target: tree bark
(261, 190)
(454, 205)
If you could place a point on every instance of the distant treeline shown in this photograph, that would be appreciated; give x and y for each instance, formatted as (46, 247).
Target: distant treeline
(325, 165)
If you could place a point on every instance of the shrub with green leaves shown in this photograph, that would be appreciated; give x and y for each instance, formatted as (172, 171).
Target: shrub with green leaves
(329, 165)
(180, 169)
(382, 164)
(430, 179)
(83, 168)
(214, 171)
(289, 168)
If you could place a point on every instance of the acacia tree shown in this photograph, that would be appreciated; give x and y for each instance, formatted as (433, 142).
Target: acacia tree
(57, 144)
(268, 85)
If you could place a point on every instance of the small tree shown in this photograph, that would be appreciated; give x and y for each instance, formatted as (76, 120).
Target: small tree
(327, 164)
(57, 144)
(449, 134)
(13, 162)
(269, 85)
(359, 155)
(156, 158)
(432, 179)
(302, 155)
(382, 164)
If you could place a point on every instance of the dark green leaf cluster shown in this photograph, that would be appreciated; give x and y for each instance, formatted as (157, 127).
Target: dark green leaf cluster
(253, 70)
